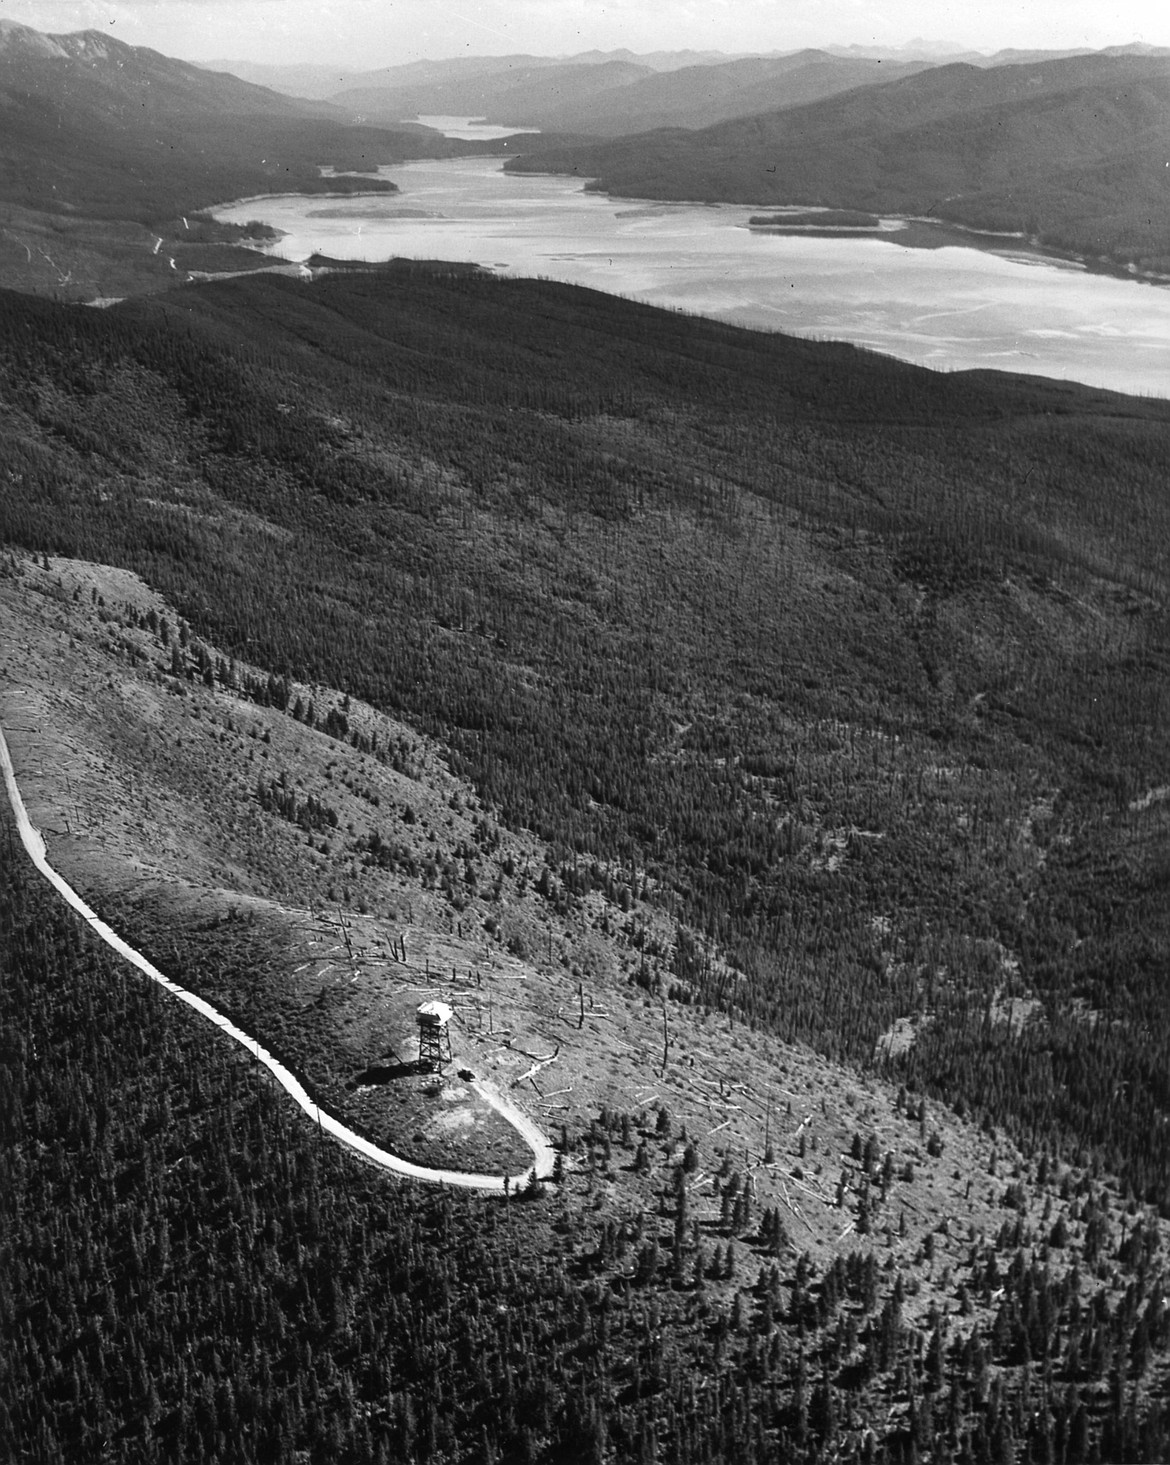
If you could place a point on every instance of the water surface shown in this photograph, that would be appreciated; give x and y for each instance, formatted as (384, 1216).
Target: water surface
(951, 306)
(468, 129)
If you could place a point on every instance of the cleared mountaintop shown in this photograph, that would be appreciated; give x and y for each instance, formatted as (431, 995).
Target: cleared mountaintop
(1072, 151)
(318, 884)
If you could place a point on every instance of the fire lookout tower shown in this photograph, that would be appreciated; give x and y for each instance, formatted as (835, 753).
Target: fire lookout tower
(434, 1039)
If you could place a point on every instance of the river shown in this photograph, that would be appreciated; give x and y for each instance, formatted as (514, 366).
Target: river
(959, 302)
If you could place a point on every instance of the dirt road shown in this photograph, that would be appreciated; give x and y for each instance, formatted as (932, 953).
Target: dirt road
(542, 1151)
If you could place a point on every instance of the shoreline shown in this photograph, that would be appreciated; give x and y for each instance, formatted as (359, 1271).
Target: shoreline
(991, 241)
(237, 203)
(1081, 364)
(1094, 264)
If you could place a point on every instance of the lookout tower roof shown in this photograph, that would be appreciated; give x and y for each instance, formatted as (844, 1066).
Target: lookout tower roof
(435, 1014)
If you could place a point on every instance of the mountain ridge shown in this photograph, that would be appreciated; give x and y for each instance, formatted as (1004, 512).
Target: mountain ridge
(1069, 151)
(696, 97)
(312, 79)
(512, 93)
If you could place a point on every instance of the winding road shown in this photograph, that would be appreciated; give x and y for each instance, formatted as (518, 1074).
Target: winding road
(542, 1151)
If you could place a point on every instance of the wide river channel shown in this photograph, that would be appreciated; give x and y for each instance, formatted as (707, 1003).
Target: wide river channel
(926, 295)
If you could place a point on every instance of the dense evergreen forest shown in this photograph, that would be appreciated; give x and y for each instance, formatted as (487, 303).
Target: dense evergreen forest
(858, 670)
(188, 1273)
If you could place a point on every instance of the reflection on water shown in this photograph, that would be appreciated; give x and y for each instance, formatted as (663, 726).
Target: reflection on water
(949, 307)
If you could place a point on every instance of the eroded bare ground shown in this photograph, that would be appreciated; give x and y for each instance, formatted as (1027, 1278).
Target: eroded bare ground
(319, 893)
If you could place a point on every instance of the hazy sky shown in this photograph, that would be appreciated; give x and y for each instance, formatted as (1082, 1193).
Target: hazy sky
(370, 33)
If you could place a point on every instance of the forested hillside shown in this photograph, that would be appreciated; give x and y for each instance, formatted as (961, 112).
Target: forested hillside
(119, 132)
(857, 670)
(1070, 151)
(189, 1274)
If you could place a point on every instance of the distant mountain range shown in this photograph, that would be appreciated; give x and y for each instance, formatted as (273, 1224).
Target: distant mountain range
(619, 93)
(615, 97)
(699, 96)
(314, 80)
(521, 96)
(1072, 151)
